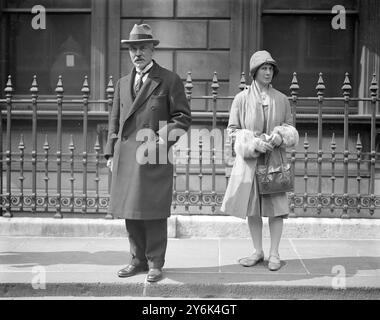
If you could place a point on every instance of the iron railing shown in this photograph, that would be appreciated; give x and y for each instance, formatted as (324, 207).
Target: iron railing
(201, 169)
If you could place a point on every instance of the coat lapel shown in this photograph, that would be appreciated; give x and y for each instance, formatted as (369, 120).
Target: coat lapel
(147, 89)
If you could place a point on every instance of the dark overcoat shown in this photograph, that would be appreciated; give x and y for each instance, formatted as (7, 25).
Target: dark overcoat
(142, 186)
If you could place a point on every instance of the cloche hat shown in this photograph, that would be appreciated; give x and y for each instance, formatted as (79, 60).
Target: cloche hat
(258, 59)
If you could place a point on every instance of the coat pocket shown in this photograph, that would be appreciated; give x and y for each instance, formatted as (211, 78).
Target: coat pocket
(158, 101)
(159, 108)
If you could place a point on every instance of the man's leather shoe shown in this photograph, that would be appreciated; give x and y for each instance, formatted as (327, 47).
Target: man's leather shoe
(131, 270)
(154, 275)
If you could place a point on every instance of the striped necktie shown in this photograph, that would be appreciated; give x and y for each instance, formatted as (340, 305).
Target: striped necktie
(140, 82)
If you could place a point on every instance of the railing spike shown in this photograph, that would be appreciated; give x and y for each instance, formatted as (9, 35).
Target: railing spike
(34, 88)
(97, 144)
(71, 144)
(9, 88)
(333, 142)
(320, 85)
(294, 87)
(374, 86)
(305, 141)
(188, 78)
(59, 88)
(110, 88)
(358, 143)
(346, 88)
(243, 82)
(21, 144)
(46, 143)
(215, 85)
(189, 84)
(85, 89)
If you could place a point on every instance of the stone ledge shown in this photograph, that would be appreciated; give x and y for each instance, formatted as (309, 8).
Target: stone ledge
(231, 227)
(193, 227)
(69, 227)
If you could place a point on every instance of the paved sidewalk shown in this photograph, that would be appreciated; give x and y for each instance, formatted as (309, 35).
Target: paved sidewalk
(199, 268)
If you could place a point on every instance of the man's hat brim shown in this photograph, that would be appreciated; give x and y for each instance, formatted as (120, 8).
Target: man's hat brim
(137, 41)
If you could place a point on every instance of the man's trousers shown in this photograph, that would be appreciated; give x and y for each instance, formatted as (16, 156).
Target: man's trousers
(148, 241)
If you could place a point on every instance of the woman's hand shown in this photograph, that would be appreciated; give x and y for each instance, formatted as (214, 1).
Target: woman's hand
(263, 146)
(275, 139)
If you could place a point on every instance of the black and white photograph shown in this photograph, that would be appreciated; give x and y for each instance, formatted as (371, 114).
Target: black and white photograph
(190, 156)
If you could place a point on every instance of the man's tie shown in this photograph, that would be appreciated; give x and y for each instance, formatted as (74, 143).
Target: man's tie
(139, 82)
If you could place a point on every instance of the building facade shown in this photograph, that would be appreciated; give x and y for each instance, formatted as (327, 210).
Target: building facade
(82, 38)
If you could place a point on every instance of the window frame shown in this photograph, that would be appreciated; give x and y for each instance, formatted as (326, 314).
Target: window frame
(98, 47)
(329, 106)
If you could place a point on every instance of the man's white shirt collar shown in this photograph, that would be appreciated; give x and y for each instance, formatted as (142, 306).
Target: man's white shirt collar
(145, 69)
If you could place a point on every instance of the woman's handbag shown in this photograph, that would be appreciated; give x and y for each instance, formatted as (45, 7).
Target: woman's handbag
(274, 179)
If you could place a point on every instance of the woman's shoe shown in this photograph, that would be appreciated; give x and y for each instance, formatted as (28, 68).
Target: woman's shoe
(252, 260)
(274, 263)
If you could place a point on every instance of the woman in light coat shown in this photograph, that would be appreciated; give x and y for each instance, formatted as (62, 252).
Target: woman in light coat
(261, 122)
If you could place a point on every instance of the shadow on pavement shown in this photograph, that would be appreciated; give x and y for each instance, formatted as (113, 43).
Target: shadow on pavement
(292, 269)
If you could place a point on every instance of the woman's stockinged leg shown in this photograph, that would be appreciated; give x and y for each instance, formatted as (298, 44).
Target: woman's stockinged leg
(255, 224)
(275, 228)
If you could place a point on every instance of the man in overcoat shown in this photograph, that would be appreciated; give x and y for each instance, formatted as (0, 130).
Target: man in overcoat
(149, 114)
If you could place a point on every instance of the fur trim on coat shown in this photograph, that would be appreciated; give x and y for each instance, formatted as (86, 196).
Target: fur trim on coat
(288, 133)
(246, 143)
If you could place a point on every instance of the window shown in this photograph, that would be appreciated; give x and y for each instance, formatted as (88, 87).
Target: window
(63, 48)
(302, 40)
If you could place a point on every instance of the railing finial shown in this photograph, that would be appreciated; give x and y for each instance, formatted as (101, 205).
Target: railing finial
(320, 85)
(294, 87)
(21, 144)
(374, 87)
(189, 85)
(333, 142)
(34, 88)
(85, 89)
(59, 89)
(110, 89)
(243, 82)
(359, 143)
(46, 143)
(215, 85)
(97, 144)
(346, 88)
(9, 89)
(71, 144)
(306, 142)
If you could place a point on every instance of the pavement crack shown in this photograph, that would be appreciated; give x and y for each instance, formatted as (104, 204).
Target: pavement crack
(298, 255)
(219, 257)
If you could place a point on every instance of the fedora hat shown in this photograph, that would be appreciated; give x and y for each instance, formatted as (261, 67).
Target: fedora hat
(258, 59)
(141, 33)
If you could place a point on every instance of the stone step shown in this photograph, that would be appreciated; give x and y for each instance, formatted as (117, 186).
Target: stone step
(192, 226)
